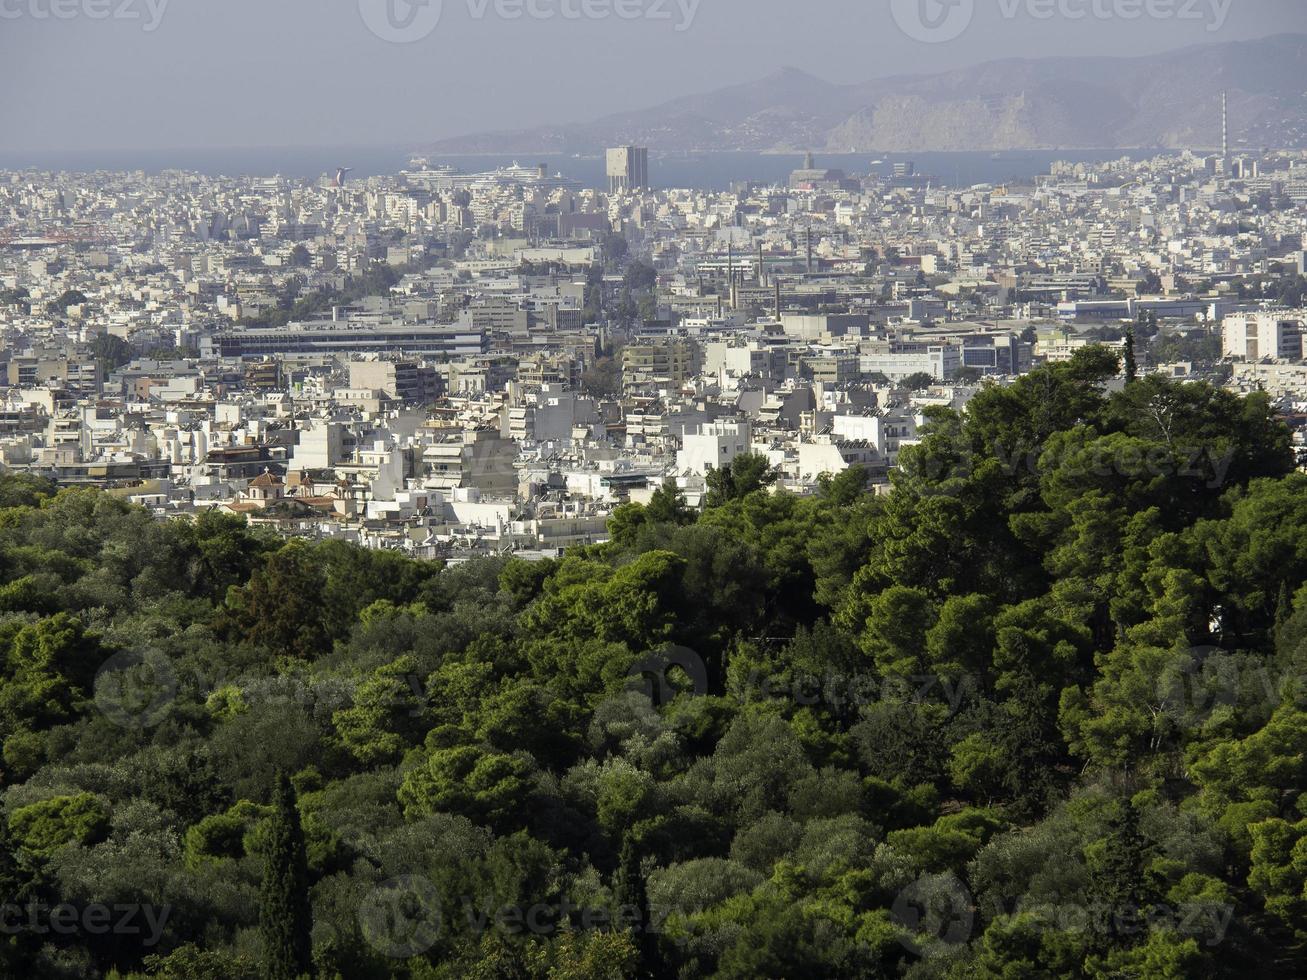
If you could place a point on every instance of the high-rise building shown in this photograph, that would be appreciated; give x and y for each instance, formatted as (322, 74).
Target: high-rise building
(628, 169)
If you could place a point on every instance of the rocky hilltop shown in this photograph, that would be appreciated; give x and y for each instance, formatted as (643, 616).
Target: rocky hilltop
(1168, 100)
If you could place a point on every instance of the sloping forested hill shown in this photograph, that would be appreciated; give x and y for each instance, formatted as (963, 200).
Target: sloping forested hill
(1037, 713)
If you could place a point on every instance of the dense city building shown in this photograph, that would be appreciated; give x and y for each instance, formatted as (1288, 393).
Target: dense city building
(435, 351)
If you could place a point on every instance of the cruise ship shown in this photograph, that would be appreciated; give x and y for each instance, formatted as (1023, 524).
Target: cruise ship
(447, 178)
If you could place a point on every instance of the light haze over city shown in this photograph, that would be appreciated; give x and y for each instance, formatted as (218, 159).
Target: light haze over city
(196, 73)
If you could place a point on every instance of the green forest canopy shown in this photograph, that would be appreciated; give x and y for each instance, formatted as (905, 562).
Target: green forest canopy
(1035, 713)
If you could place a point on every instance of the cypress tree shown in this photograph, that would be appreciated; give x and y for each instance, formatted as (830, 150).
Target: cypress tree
(17, 888)
(285, 918)
(630, 892)
(1131, 365)
(1029, 746)
(1283, 610)
(1124, 885)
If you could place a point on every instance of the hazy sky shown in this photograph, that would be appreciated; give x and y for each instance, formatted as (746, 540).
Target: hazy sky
(312, 72)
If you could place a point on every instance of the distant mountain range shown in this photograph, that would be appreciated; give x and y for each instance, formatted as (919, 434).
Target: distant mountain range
(1170, 100)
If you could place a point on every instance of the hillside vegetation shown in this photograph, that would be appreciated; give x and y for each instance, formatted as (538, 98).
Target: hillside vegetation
(1038, 712)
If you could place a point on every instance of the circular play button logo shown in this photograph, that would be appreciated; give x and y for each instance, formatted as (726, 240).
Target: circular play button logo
(933, 21)
(401, 21)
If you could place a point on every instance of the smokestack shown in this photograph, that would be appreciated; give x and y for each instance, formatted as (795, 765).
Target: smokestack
(762, 280)
(778, 299)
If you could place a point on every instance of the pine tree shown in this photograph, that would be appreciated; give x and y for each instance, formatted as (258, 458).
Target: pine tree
(285, 918)
(1131, 366)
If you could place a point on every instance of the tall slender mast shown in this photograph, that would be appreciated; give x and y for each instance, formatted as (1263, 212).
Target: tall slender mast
(1225, 125)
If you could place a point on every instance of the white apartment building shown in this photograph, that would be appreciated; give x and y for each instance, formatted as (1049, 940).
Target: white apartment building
(322, 446)
(830, 455)
(713, 446)
(940, 362)
(741, 360)
(471, 459)
(1263, 336)
(552, 414)
(886, 432)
